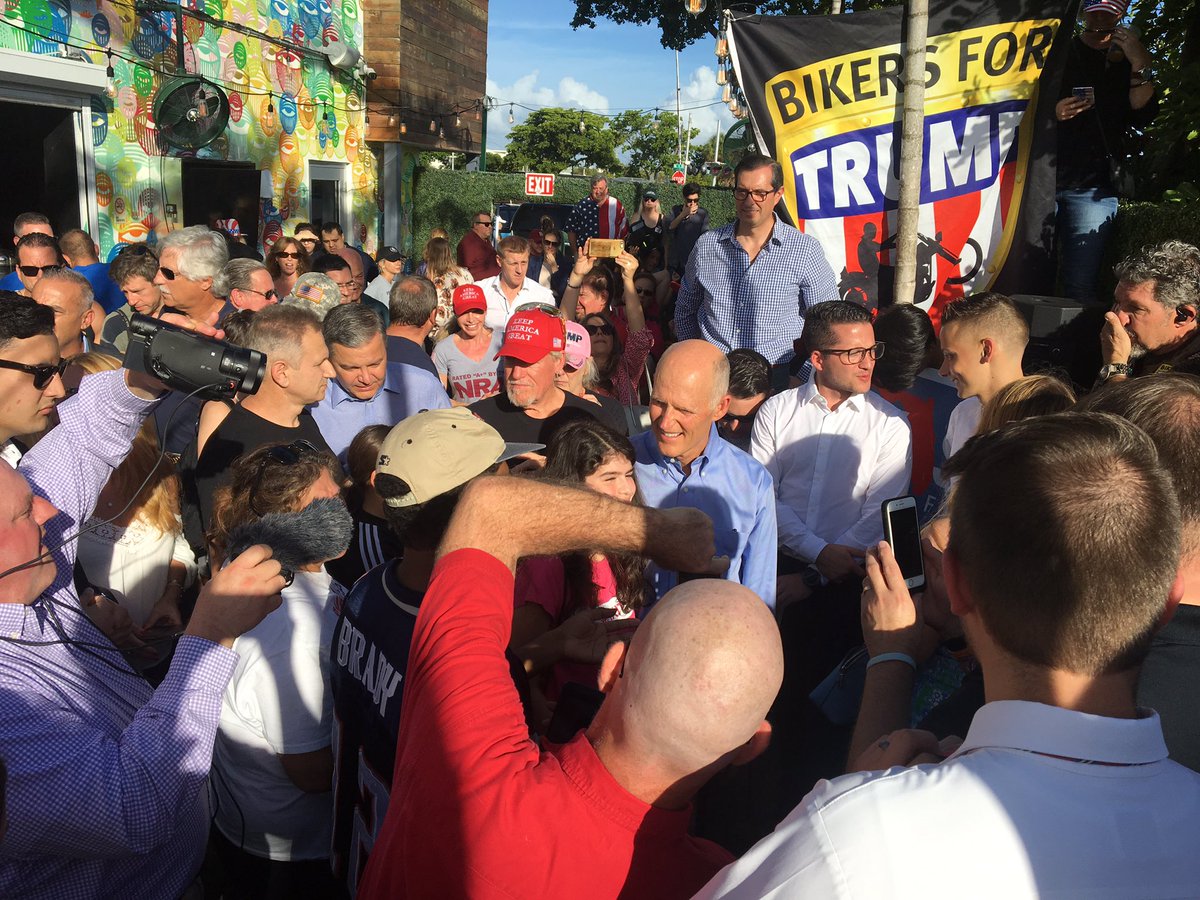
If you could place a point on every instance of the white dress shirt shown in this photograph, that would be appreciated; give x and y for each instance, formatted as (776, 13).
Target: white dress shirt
(500, 308)
(1014, 813)
(832, 468)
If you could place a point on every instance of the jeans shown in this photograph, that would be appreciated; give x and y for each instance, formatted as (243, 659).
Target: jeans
(1085, 221)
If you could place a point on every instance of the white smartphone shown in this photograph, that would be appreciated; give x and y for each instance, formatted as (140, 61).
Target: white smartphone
(902, 531)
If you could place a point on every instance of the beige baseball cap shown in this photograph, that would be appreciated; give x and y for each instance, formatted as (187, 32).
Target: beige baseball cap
(437, 450)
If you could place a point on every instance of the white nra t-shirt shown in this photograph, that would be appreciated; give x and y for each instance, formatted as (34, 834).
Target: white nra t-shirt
(278, 702)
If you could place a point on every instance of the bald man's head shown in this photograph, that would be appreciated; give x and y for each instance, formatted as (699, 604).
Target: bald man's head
(699, 677)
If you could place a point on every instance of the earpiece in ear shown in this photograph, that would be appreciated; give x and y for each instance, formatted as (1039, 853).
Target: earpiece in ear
(1183, 315)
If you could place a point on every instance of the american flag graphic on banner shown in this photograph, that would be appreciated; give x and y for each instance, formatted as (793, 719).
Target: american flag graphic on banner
(832, 121)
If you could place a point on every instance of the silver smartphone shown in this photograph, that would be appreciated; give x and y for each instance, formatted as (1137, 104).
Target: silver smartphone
(902, 531)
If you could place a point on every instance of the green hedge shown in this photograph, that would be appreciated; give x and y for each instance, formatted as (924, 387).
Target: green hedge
(449, 199)
(1141, 224)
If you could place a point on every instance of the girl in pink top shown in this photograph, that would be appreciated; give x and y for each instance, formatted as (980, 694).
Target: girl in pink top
(551, 590)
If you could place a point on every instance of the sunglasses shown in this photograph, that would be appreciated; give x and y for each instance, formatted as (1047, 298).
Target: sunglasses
(136, 249)
(42, 375)
(287, 254)
(599, 329)
(551, 243)
(306, 240)
(487, 223)
(269, 293)
(644, 292)
(284, 455)
(691, 199)
(169, 274)
(33, 271)
(540, 307)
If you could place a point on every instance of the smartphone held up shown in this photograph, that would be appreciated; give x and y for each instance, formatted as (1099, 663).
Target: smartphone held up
(902, 531)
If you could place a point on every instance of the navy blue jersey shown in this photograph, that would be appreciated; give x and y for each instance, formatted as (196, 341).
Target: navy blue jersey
(367, 664)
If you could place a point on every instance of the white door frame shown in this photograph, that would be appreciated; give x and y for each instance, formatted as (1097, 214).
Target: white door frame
(68, 84)
(324, 170)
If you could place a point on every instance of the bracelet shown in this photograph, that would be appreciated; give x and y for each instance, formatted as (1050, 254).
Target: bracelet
(576, 286)
(890, 657)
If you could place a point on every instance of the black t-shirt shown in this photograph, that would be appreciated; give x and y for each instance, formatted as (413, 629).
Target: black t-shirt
(1168, 684)
(242, 432)
(1082, 157)
(516, 427)
(1185, 359)
(372, 544)
(647, 239)
(368, 660)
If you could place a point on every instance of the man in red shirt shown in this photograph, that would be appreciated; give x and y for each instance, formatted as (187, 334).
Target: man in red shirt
(475, 251)
(476, 809)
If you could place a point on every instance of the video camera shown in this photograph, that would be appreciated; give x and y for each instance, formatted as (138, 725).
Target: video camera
(187, 362)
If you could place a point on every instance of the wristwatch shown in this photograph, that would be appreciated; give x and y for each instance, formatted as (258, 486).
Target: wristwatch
(1146, 73)
(1108, 371)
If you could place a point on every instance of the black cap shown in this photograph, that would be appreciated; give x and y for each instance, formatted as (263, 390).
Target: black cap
(390, 253)
(649, 195)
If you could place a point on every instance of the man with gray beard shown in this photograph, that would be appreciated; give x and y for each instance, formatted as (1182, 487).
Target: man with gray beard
(1152, 326)
(532, 407)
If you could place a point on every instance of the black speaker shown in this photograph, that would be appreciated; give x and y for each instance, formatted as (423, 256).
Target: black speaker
(1064, 337)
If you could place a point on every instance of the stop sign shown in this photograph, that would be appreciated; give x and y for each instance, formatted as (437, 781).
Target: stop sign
(678, 177)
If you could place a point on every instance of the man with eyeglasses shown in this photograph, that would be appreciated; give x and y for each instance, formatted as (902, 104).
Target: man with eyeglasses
(339, 272)
(37, 254)
(688, 222)
(250, 284)
(751, 283)
(475, 251)
(835, 451)
(30, 371)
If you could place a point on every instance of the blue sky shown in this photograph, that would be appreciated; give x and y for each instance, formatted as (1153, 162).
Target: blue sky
(535, 58)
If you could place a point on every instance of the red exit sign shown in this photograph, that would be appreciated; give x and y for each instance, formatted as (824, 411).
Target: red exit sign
(537, 185)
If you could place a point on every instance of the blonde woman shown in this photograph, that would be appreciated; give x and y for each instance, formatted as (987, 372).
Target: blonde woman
(444, 272)
(141, 556)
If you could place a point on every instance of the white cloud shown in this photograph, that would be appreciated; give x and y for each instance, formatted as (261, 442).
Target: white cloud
(701, 88)
(698, 91)
(526, 91)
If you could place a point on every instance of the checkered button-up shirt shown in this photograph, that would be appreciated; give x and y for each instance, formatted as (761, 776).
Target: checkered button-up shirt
(106, 777)
(732, 302)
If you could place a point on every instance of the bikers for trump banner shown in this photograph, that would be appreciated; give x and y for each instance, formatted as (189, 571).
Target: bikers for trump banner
(825, 95)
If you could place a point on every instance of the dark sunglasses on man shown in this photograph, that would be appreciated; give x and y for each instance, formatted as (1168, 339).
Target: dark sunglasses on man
(34, 271)
(42, 375)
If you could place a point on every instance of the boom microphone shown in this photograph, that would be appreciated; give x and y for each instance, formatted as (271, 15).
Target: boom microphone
(318, 533)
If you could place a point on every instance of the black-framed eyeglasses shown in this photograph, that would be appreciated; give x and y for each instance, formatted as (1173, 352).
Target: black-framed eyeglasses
(855, 355)
(284, 455)
(34, 271)
(759, 196)
(594, 330)
(169, 274)
(42, 375)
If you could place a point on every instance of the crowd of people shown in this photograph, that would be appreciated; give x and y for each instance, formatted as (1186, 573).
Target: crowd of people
(547, 572)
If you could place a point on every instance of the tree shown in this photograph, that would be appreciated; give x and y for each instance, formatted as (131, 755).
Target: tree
(652, 144)
(679, 29)
(550, 140)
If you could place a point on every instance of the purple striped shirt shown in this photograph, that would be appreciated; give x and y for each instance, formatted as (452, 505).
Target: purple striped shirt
(106, 777)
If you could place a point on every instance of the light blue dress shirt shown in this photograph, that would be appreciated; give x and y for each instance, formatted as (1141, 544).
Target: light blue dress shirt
(406, 390)
(734, 303)
(734, 490)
